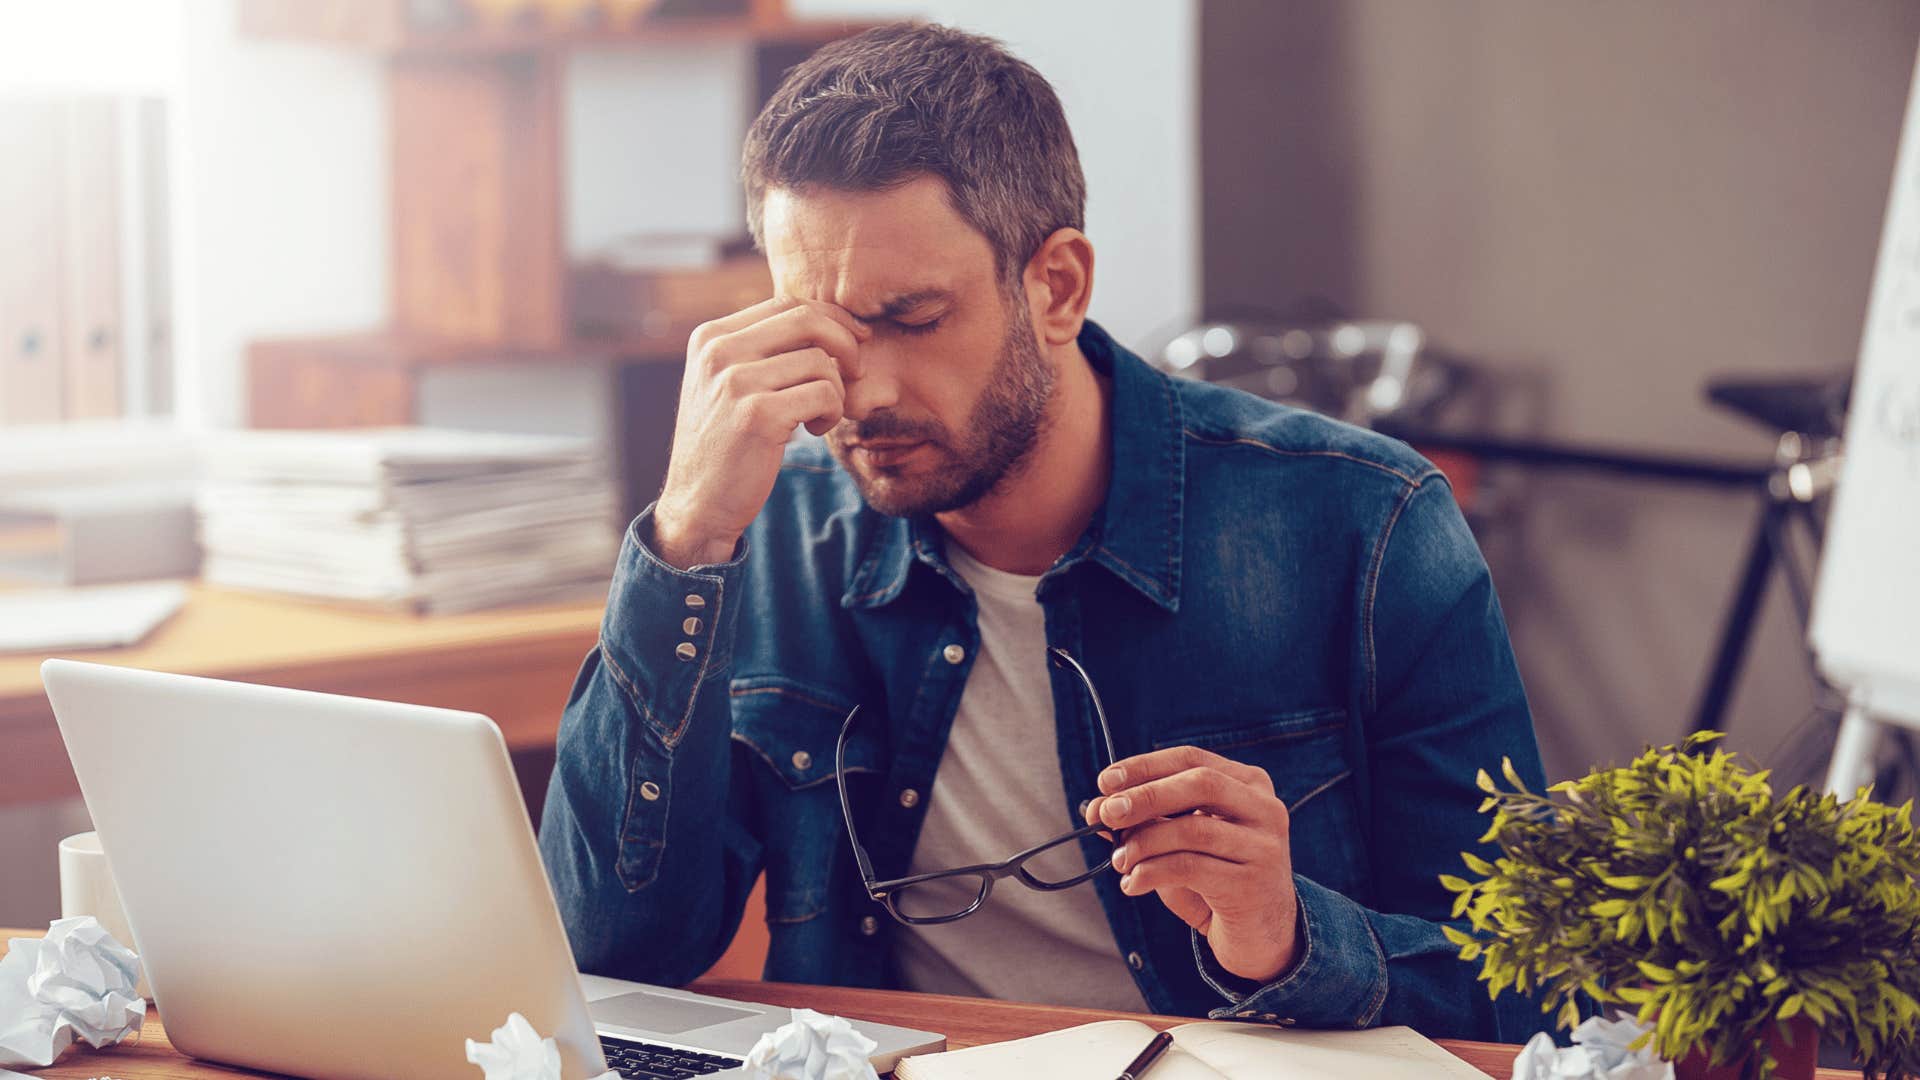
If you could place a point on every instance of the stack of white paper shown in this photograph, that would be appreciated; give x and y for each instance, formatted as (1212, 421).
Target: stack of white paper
(434, 520)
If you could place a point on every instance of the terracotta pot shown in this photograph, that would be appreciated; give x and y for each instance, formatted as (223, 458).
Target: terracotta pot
(1795, 1062)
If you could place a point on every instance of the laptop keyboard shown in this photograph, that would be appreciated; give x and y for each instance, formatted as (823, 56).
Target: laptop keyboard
(651, 1061)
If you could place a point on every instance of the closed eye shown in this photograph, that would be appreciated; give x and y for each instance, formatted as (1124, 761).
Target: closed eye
(927, 327)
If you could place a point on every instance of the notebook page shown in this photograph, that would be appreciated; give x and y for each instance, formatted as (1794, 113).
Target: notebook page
(1246, 1051)
(1089, 1052)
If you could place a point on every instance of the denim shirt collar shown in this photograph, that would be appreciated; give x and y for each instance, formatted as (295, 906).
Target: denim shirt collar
(1136, 535)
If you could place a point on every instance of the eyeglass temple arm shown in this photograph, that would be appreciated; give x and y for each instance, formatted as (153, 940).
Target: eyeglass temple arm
(1099, 712)
(846, 805)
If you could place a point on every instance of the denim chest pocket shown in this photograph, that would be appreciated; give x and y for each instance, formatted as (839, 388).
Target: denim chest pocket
(788, 733)
(1305, 753)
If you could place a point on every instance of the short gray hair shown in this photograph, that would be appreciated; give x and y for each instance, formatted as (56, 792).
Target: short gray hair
(909, 99)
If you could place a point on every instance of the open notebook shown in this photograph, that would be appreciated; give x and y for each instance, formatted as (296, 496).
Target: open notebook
(1200, 1051)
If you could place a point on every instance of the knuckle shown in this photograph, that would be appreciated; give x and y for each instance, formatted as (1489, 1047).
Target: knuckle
(1146, 801)
(756, 410)
(1215, 782)
(712, 356)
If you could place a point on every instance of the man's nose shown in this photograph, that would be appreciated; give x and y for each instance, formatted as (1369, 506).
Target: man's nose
(877, 387)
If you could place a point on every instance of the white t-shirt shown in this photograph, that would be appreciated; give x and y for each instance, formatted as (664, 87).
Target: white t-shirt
(998, 791)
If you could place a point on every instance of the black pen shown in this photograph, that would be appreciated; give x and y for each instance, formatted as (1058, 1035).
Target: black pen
(1147, 1057)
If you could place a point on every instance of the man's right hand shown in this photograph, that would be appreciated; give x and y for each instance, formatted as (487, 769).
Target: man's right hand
(751, 378)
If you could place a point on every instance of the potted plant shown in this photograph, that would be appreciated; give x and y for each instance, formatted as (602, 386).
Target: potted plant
(1740, 924)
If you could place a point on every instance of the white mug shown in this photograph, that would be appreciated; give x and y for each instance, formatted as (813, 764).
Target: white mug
(87, 888)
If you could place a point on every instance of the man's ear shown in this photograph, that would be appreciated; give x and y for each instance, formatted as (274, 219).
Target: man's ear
(1059, 285)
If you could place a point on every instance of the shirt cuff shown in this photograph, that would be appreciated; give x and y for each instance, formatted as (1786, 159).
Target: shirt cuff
(668, 630)
(1339, 980)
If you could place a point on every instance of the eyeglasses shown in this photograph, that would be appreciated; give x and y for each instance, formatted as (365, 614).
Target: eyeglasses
(946, 896)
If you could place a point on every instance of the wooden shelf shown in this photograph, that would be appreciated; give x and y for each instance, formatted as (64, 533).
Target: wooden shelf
(396, 350)
(381, 26)
(480, 271)
(372, 378)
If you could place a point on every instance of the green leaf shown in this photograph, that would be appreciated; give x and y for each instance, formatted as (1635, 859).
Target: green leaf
(1627, 881)
(1513, 777)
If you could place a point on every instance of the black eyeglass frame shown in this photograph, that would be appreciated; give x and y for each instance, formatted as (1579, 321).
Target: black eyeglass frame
(887, 892)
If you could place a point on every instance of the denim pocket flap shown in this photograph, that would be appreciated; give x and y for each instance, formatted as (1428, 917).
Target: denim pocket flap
(794, 729)
(1224, 734)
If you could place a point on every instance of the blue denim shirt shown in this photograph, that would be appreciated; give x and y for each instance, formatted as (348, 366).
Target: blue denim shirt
(1263, 582)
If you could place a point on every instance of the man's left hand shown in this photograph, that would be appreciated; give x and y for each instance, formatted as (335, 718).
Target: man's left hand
(1208, 835)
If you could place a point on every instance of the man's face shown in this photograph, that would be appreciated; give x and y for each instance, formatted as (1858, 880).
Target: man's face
(955, 388)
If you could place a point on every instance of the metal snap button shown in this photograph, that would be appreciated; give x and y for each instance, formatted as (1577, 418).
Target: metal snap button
(650, 791)
(692, 625)
(869, 926)
(802, 760)
(695, 601)
(954, 654)
(686, 650)
(1136, 961)
(909, 798)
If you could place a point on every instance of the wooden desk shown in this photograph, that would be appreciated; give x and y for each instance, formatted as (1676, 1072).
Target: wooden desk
(965, 1022)
(515, 666)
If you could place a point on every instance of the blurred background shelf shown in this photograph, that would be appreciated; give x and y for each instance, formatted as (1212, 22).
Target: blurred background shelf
(444, 27)
(480, 272)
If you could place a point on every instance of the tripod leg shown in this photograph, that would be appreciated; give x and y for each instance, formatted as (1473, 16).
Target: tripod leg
(1738, 626)
(1852, 763)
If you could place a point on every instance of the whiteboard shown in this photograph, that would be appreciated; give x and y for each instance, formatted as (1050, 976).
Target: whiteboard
(1866, 617)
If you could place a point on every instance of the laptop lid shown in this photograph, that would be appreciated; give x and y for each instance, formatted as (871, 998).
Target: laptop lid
(320, 885)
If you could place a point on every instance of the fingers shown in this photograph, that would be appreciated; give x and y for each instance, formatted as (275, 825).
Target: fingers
(723, 343)
(745, 317)
(1205, 788)
(1176, 759)
(1187, 906)
(774, 414)
(784, 370)
(1197, 833)
(1191, 870)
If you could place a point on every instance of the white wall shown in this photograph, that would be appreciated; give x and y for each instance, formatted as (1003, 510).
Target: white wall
(128, 46)
(1125, 72)
(653, 142)
(280, 202)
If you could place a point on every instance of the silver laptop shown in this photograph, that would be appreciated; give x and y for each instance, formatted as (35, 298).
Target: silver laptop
(332, 887)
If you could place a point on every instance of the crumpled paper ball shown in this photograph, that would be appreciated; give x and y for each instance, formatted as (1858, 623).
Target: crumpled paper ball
(517, 1052)
(812, 1046)
(75, 983)
(1599, 1053)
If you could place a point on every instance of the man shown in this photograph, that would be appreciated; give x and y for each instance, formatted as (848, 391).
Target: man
(1299, 650)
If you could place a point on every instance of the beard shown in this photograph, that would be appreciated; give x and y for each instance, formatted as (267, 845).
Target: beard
(1000, 434)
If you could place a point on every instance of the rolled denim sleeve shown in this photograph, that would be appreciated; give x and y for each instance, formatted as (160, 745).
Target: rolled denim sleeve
(1339, 979)
(1442, 699)
(642, 834)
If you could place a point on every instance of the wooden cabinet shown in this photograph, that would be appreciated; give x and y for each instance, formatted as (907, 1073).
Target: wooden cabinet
(64, 236)
(480, 270)
(90, 248)
(477, 253)
(32, 327)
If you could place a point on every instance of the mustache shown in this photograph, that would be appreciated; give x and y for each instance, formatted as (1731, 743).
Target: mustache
(884, 426)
